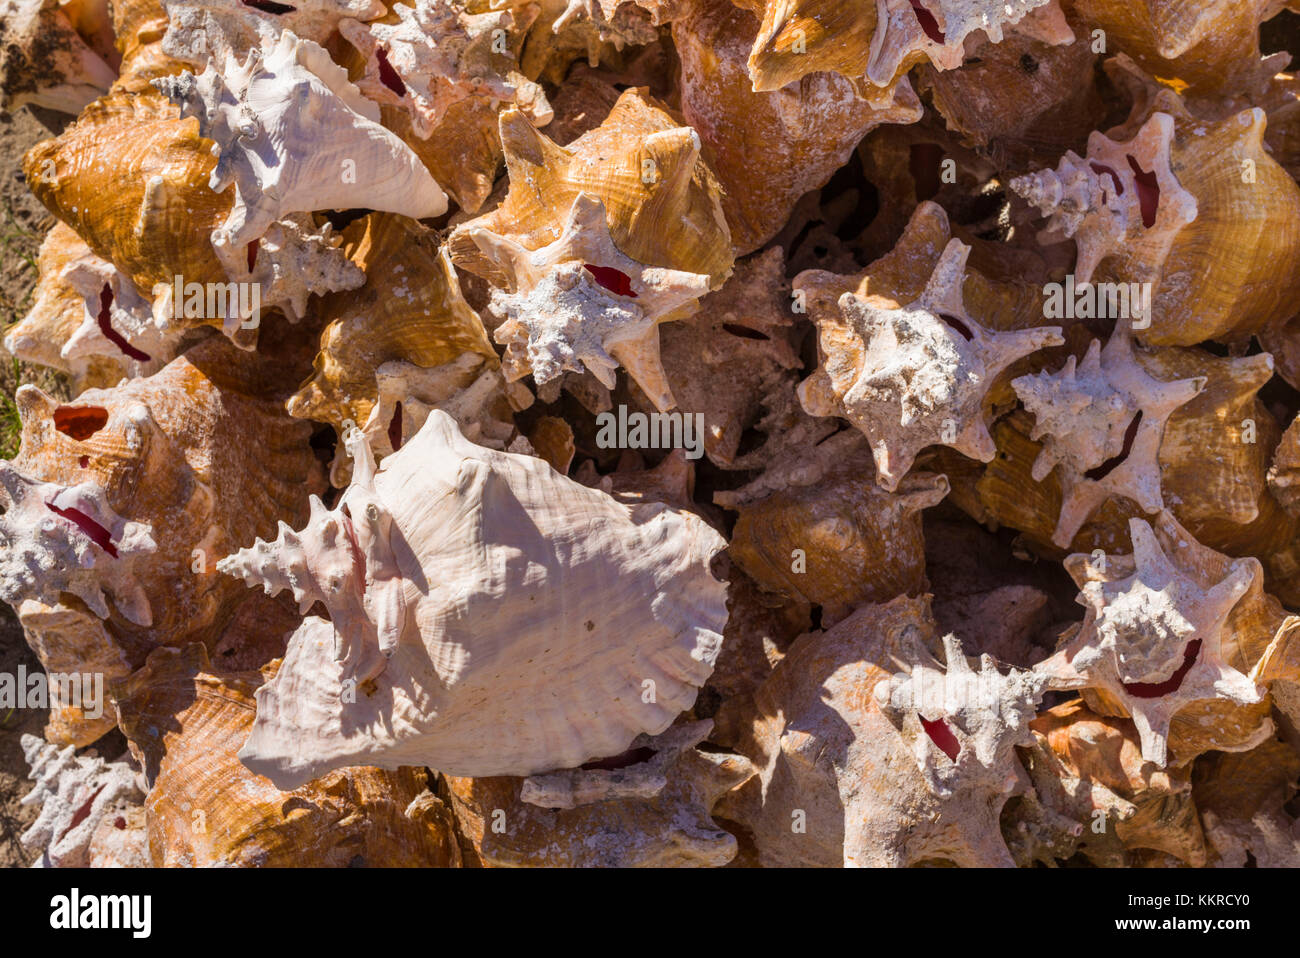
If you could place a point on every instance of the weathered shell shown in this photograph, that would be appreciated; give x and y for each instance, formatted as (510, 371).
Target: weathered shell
(738, 349)
(75, 794)
(1241, 798)
(575, 293)
(862, 766)
(1101, 422)
(1019, 99)
(406, 337)
(1212, 459)
(1112, 803)
(1211, 46)
(653, 812)
(429, 632)
(661, 201)
(1174, 627)
(839, 542)
(44, 61)
(132, 179)
(793, 138)
(883, 39)
(914, 375)
(203, 31)
(1196, 209)
(59, 310)
(185, 721)
(425, 57)
(120, 503)
(294, 135)
(578, 304)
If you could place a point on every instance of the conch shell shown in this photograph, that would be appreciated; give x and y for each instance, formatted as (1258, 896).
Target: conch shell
(75, 794)
(1169, 629)
(882, 39)
(70, 327)
(132, 179)
(838, 542)
(200, 32)
(577, 293)
(862, 766)
(734, 353)
(403, 343)
(427, 56)
(1211, 46)
(294, 135)
(185, 720)
(443, 622)
(1196, 209)
(650, 810)
(1112, 803)
(1211, 466)
(794, 136)
(1101, 422)
(915, 375)
(126, 497)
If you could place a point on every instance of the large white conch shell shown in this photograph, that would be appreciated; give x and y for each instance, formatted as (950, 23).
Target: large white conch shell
(489, 617)
(293, 136)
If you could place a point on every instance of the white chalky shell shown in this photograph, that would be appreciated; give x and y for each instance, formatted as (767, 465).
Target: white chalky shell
(545, 610)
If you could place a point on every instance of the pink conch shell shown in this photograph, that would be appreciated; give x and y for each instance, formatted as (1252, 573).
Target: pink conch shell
(58, 538)
(916, 375)
(75, 794)
(1101, 422)
(472, 631)
(88, 319)
(294, 135)
(1155, 628)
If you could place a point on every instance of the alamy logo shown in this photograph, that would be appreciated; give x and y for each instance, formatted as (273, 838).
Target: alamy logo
(74, 911)
(1071, 300)
(657, 430)
(79, 690)
(217, 301)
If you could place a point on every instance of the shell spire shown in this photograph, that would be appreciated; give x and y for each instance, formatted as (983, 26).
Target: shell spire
(1155, 629)
(1122, 197)
(276, 565)
(963, 724)
(73, 793)
(1101, 423)
(918, 374)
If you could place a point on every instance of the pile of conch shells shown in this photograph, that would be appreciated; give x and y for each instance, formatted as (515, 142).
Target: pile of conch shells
(662, 432)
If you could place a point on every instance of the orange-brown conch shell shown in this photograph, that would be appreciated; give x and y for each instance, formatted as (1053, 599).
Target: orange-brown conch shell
(120, 503)
(1172, 636)
(185, 720)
